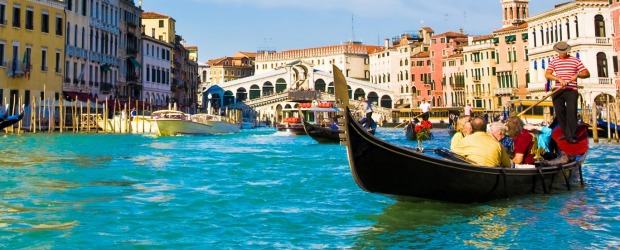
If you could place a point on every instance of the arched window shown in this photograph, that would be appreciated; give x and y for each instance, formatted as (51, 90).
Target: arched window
(599, 26)
(75, 35)
(68, 33)
(83, 38)
(601, 64)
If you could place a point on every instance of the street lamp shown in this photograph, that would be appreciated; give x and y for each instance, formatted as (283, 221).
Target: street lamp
(209, 103)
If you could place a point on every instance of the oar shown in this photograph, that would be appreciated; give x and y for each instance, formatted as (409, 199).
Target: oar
(411, 120)
(541, 100)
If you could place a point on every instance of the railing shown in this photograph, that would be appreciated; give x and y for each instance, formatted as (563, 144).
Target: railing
(602, 40)
(43, 68)
(105, 86)
(604, 81)
(503, 91)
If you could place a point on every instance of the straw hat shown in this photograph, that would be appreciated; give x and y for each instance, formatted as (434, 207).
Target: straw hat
(561, 47)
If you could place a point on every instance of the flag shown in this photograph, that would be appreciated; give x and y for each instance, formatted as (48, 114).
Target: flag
(26, 64)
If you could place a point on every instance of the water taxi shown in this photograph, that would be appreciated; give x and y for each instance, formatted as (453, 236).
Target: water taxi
(174, 122)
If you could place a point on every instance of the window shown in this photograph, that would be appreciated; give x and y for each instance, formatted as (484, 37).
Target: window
(2, 14)
(44, 60)
(601, 64)
(69, 4)
(59, 25)
(2, 62)
(599, 26)
(16, 17)
(45, 22)
(83, 7)
(148, 75)
(57, 62)
(29, 19)
(161, 23)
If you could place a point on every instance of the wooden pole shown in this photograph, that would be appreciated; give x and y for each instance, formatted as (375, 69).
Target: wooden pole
(608, 119)
(541, 100)
(594, 123)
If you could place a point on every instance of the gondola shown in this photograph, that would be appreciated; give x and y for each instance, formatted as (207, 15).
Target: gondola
(8, 121)
(408, 174)
(319, 133)
(601, 126)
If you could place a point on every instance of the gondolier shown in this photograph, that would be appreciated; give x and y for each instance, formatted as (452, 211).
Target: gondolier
(425, 107)
(567, 70)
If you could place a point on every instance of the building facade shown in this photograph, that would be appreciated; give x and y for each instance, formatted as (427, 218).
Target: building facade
(156, 76)
(32, 51)
(442, 46)
(480, 71)
(129, 77)
(586, 26)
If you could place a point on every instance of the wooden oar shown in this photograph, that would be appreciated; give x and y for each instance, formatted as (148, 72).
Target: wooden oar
(541, 100)
(411, 120)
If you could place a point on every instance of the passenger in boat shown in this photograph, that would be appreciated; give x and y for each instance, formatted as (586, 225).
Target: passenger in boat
(498, 130)
(334, 124)
(523, 141)
(463, 128)
(367, 108)
(567, 70)
(481, 148)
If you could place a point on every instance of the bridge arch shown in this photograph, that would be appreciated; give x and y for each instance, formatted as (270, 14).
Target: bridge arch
(280, 85)
(330, 88)
(254, 91)
(242, 94)
(386, 101)
(319, 85)
(373, 98)
(359, 93)
(267, 88)
(229, 98)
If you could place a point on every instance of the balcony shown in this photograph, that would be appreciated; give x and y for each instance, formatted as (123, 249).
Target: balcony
(503, 91)
(67, 80)
(44, 68)
(133, 77)
(105, 86)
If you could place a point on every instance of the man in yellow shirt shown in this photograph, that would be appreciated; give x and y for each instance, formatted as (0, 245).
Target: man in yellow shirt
(482, 148)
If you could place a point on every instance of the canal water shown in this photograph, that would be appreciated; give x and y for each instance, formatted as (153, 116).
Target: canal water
(263, 189)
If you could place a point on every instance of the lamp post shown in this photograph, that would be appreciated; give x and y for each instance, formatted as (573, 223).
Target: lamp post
(209, 103)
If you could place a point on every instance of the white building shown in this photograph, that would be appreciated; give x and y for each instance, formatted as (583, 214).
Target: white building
(586, 26)
(156, 73)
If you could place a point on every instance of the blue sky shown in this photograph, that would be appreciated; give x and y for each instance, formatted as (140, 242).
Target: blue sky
(223, 27)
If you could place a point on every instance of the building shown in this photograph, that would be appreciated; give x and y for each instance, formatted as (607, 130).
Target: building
(129, 81)
(391, 66)
(78, 81)
(156, 76)
(225, 69)
(351, 57)
(442, 46)
(32, 49)
(614, 10)
(585, 25)
(480, 71)
(453, 82)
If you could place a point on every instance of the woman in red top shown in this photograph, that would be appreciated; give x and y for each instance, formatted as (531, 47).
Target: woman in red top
(523, 141)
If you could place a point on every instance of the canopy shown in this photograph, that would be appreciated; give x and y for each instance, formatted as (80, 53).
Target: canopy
(135, 62)
(70, 95)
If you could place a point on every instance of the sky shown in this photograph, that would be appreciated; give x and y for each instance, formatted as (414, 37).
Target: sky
(223, 27)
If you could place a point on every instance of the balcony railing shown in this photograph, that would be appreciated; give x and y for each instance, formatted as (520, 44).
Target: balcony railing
(503, 91)
(44, 68)
(105, 86)
(67, 79)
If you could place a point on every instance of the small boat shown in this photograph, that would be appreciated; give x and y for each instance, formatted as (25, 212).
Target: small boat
(321, 133)
(174, 122)
(601, 128)
(409, 174)
(313, 112)
(10, 120)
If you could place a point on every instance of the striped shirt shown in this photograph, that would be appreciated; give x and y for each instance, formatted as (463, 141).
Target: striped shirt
(566, 68)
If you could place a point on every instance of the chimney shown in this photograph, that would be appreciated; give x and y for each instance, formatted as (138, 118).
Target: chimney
(387, 43)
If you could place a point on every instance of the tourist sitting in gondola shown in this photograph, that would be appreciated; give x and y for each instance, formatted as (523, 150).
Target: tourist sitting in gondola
(334, 124)
(481, 148)
(463, 128)
(523, 141)
(498, 130)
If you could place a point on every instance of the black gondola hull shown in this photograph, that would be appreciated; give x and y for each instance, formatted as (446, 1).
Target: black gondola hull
(403, 173)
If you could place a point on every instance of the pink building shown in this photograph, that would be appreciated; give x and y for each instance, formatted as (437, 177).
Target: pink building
(442, 46)
(615, 16)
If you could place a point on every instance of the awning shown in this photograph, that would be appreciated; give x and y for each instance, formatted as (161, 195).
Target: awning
(105, 67)
(511, 38)
(524, 36)
(135, 62)
(495, 39)
(69, 95)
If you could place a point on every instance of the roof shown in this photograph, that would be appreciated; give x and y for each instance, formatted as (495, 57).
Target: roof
(518, 27)
(368, 48)
(451, 34)
(153, 15)
(422, 54)
(484, 37)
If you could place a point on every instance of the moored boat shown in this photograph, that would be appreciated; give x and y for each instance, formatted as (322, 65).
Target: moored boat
(406, 173)
(174, 122)
(322, 133)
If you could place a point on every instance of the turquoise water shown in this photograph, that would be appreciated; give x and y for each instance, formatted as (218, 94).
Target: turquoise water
(263, 189)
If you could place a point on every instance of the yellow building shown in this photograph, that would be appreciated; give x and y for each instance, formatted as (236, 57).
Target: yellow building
(31, 50)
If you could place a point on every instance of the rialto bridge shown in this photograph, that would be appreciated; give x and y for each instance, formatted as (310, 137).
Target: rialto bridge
(268, 93)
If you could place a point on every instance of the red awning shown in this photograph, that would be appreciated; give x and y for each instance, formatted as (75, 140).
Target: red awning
(78, 96)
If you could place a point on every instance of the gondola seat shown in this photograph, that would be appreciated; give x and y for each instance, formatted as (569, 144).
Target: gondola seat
(447, 154)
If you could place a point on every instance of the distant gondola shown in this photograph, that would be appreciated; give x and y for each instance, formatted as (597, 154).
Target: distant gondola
(405, 173)
(319, 133)
(6, 120)
(601, 126)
